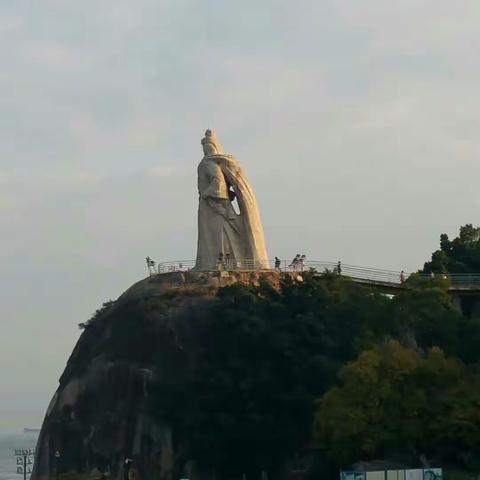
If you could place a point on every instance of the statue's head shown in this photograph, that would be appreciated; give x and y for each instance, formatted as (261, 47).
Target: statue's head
(211, 145)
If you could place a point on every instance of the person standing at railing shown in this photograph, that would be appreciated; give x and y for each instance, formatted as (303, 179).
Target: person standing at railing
(294, 264)
(150, 265)
(277, 263)
(301, 262)
(220, 263)
(402, 276)
(339, 267)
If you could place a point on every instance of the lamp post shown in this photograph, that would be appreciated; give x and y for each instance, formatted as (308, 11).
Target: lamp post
(57, 460)
(128, 463)
(24, 461)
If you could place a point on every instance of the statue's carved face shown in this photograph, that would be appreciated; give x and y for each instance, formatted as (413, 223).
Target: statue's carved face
(209, 149)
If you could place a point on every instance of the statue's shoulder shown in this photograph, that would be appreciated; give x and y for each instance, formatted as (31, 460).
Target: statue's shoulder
(224, 159)
(221, 160)
(221, 155)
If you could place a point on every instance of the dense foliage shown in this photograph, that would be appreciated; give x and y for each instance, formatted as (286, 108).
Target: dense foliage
(258, 359)
(460, 255)
(392, 401)
(254, 370)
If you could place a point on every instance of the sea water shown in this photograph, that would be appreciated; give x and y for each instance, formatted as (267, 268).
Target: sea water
(9, 442)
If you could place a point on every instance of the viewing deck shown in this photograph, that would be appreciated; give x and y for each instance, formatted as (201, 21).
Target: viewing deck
(388, 281)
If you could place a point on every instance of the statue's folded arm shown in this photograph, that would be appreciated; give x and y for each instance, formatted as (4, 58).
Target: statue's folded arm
(212, 184)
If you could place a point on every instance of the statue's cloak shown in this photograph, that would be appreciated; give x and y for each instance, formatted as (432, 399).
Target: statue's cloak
(254, 239)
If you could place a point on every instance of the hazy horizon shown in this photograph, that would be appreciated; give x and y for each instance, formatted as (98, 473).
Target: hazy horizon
(355, 122)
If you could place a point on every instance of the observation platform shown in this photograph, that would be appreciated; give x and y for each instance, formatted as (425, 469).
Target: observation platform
(387, 281)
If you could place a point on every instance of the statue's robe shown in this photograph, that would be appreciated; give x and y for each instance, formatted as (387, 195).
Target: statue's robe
(220, 228)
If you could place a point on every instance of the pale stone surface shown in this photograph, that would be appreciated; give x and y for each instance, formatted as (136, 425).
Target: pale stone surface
(220, 228)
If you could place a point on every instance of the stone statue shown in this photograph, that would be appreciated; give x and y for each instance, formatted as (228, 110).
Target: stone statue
(233, 238)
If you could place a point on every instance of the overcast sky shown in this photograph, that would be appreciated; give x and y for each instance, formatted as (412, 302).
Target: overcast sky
(356, 121)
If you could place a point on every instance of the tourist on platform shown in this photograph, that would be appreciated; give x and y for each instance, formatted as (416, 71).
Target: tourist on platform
(220, 263)
(402, 276)
(295, 261)
(339, 267)
(150, 265)
(301, 262)
(277, 263)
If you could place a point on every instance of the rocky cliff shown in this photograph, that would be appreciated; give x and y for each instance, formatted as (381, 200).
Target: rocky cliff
(98, 423)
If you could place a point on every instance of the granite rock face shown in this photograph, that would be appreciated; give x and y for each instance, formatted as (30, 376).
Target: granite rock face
(100, 416)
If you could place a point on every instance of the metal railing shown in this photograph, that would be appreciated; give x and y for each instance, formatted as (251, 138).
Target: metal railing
(225, 264)
(461, 281)
(361, 274)
(391, 277)
(175, 266)
(243, 264)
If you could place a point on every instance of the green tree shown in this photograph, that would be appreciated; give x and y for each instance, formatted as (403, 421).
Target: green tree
(424, 316)
(460, 255)
(392, 401)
